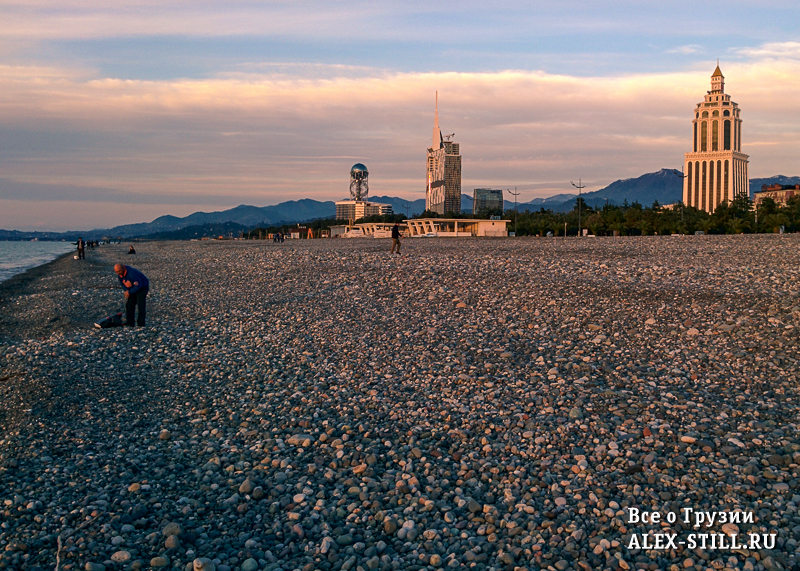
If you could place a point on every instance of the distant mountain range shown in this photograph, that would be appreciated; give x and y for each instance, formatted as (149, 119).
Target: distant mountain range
(199, 231)
(662, 186)
(249, 216)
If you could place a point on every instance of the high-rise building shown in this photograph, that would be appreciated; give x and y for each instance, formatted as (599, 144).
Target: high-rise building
(716, 169)
(486, 199)
(443, 191)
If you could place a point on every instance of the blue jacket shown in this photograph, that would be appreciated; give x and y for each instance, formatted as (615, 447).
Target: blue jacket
(136, 278)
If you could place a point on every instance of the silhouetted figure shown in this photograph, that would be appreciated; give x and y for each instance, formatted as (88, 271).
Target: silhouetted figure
(81, 249)
(396, 238)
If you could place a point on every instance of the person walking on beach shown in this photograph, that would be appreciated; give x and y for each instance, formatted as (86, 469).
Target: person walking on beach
(396, 237)
(81, 248)
(136, 286)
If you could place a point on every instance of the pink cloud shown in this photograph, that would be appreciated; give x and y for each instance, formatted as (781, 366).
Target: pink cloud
(266, 137)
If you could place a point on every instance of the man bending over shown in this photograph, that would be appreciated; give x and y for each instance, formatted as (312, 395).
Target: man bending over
(136, 286)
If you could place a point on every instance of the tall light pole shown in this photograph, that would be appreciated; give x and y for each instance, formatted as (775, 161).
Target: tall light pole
(515, 194)
(683, 176)
(756, 208)
(580, 187)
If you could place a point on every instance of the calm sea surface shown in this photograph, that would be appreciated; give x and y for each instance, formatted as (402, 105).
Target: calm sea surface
(16, 257)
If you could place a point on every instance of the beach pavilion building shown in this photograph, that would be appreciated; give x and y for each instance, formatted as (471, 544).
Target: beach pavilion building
(456, 228)
(426, 228)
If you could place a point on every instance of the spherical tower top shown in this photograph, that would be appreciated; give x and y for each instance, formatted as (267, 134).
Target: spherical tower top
(359, 182)
(359, 167)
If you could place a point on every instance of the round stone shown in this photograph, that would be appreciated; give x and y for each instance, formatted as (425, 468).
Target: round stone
(204, 564)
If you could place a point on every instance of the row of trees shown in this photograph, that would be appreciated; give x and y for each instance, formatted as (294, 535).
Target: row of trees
(736, 217)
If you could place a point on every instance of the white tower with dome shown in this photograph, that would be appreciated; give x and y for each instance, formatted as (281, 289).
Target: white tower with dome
(716, 169)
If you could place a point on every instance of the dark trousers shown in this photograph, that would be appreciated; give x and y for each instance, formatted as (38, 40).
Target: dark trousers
(137, 298)
(81, 254)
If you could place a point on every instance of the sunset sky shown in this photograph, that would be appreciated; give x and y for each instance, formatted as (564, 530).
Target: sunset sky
(119, 112)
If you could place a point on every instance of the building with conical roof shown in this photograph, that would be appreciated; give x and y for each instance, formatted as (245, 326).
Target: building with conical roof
(716, 169)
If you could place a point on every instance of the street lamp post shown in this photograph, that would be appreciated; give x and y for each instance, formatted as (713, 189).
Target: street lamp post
(580, 187)
(515, 194)
(683, 176)
(756, 209)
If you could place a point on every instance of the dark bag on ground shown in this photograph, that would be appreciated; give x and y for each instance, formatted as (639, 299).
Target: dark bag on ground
(110, 321)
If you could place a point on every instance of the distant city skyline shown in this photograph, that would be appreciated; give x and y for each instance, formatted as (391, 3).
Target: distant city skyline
(120, 113)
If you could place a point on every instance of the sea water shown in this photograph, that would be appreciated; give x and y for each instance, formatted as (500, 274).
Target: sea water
(16, 257)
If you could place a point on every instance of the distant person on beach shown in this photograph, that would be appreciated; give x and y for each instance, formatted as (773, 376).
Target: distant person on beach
(136, 286)
(81, 249)
(396, 237)
(131, 250)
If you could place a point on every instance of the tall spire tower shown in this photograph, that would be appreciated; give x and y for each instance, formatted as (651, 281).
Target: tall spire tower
(716, 169)
(443, 184)
(436, 140)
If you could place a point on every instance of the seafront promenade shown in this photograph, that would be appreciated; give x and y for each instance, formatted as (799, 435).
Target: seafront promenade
(474, 404)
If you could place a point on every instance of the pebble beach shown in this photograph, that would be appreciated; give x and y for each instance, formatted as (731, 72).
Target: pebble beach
(476, 404)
